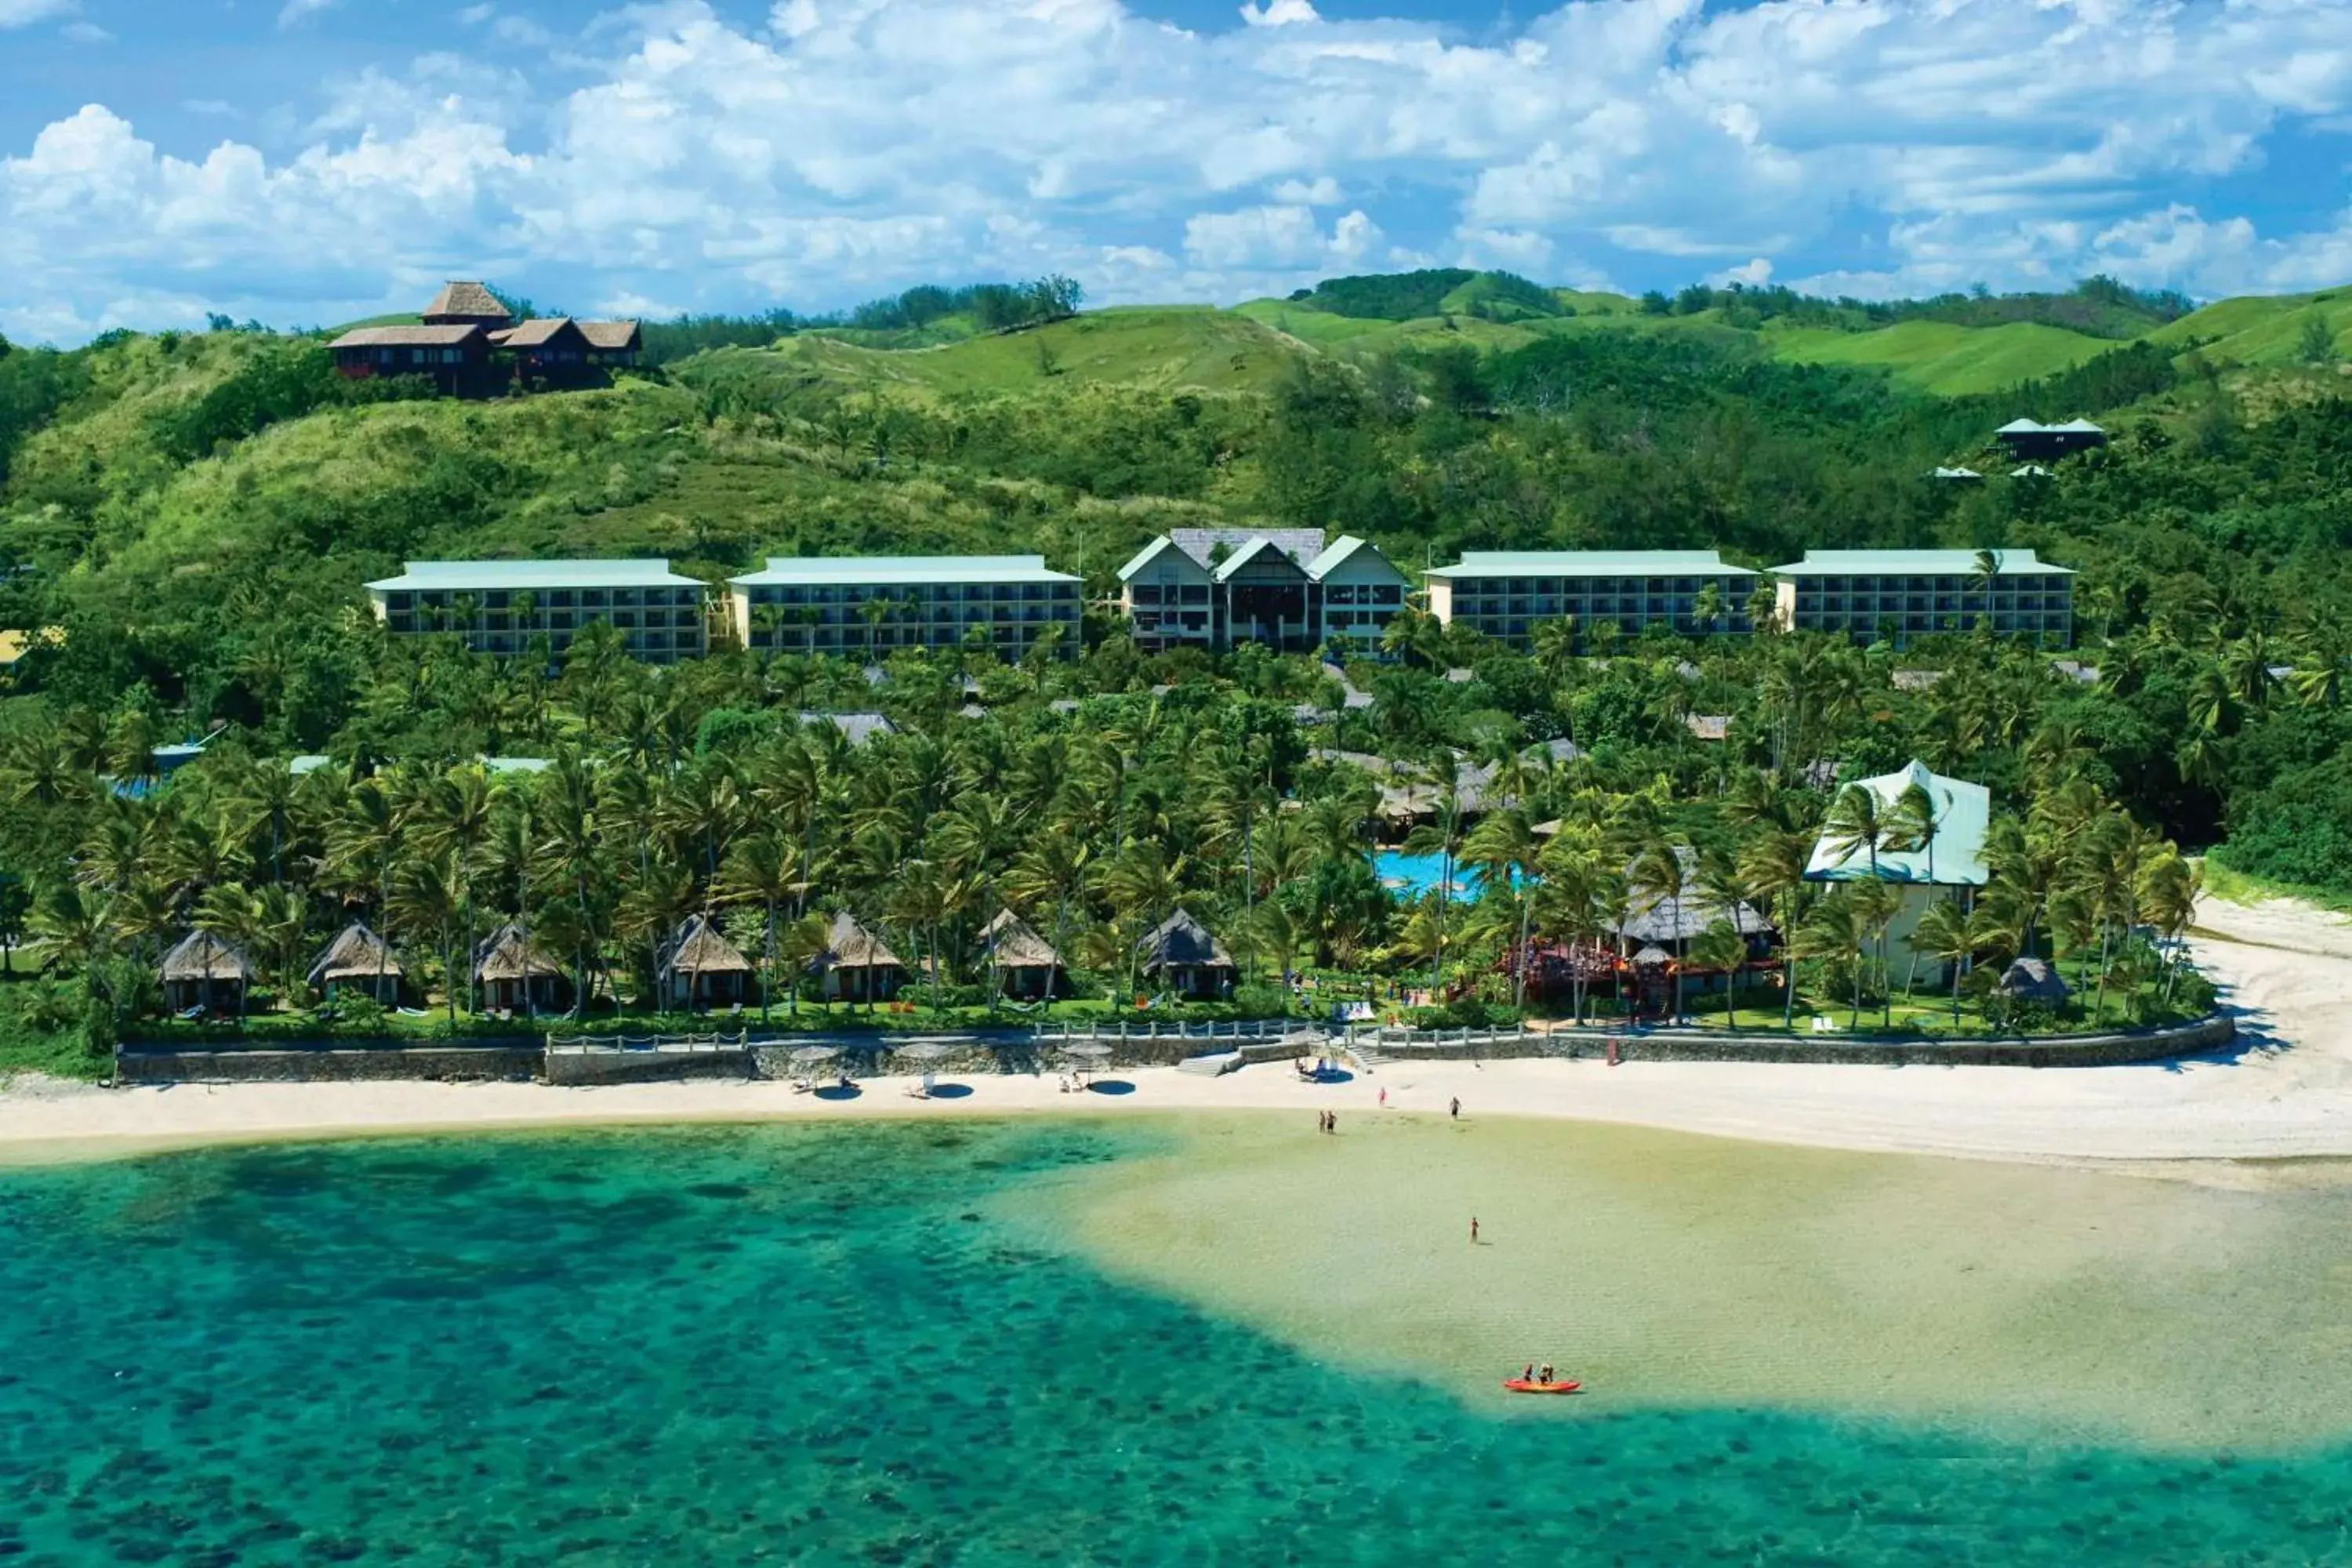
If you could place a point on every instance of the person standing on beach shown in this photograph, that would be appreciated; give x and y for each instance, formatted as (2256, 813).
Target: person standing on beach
(1454, 1111)
(1473, 1230)
(1385, 1096)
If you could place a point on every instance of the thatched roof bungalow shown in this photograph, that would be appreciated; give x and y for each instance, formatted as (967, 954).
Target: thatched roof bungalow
(1193, 963)
(856, 965)
(697, 967)
(205, 970)
(515, 976)
(1026, 962)
(360, 961)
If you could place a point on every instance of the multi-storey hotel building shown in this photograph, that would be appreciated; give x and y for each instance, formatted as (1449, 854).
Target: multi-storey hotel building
(1904, 595)
(500, 606)
(1508, 594)
(861, 606)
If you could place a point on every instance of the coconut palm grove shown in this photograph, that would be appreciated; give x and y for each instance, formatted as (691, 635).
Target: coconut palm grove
(234, 805)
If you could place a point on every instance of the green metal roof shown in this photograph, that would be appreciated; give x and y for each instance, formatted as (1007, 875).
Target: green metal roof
(1591, 564)
(1953, 857)
(469, 575)
(898, 571)
(1913, 564)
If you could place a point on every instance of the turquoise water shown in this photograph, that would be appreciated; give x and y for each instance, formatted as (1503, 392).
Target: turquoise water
(1410, 877)
(812, 1344)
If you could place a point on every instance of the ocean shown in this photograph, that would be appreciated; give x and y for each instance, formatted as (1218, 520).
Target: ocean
(1150, 1340)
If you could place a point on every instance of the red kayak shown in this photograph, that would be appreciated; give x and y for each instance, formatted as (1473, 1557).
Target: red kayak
(1529, 1386)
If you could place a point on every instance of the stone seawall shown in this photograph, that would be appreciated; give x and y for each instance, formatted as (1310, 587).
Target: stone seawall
(1702, 1046)
(446, 1063)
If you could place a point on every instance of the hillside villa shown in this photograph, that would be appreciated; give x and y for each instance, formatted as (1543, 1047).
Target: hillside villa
(1212, 587)
(1948, 862)
(499, 606)
(867, 605)
(466, 341)
(1865, 593)
(1506, 593)
(2028, 439)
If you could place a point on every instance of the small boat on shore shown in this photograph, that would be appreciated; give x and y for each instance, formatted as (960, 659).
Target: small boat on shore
(1531, 1385)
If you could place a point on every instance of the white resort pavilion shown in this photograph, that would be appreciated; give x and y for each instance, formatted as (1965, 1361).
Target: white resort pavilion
(499, 606)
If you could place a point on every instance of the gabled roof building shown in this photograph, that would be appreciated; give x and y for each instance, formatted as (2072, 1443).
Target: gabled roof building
(1213, 587)
(2030, 438)
(466, 341)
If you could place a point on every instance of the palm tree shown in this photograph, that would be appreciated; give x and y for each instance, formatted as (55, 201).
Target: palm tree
(1985, 571)
(1505, 848)
(1656, 873)
(1720, 946)
(428, 895)
(759, 867)
(1948, 935)
(1772, 863)
(1555, 648)
(1834, 932)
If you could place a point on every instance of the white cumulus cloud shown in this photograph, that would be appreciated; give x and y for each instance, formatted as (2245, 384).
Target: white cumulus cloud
(842, 148)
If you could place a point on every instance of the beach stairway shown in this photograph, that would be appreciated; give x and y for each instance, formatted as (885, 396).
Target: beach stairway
(1213, 1065)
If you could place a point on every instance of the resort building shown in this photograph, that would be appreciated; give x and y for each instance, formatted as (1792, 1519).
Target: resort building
(1907, 593)
(1026, 966)
(1211, 588)
(466, 341)
(2028, 438)
(855, 966)
(500, 606)
(513, 976)
(864, 607)
(1945, 860)
(698, 968)
(204, 974)
(1506, 594)
(358, 961)
(1182, 956)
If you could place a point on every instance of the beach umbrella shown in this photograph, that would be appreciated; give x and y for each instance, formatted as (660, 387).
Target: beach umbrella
(928, 1052)
(1087, 1056)
(807, 1056)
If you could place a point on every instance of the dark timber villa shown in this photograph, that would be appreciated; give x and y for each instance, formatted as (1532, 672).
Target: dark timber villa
(1508, 594)
(499, 606)
(468, 342)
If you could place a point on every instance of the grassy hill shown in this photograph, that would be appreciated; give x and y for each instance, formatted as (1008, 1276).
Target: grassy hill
(2259, 330)
(1159, 347)
(1942, 358)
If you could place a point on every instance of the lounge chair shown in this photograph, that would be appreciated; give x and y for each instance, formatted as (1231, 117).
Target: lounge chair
(192, 1014)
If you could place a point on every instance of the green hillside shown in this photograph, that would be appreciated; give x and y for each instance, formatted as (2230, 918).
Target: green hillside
(2262, 331)
(1942, 358)
(1160, 347)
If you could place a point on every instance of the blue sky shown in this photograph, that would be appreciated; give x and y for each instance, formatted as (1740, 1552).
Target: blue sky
(308, 161)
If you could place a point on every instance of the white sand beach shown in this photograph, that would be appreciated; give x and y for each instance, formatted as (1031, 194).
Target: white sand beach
(2286, 1092)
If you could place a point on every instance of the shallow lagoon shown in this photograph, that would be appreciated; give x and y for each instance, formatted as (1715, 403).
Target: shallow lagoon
(999, 1343)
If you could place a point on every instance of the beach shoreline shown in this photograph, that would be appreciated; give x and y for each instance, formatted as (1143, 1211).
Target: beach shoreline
(2282, 1093)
